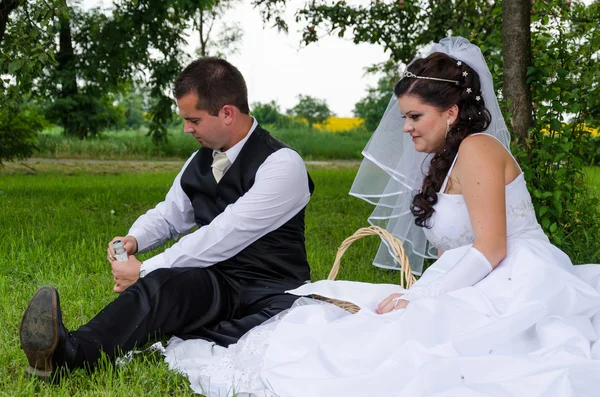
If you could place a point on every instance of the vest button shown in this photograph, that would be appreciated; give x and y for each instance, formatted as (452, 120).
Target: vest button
(219, 198)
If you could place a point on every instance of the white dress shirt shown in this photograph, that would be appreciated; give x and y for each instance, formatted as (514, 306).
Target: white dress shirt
(279, 192)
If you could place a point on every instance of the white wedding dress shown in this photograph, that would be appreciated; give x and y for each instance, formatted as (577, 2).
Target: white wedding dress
(530, 328)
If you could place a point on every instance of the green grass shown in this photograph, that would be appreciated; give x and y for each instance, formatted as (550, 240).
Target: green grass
(593, 178)
(317, 145)
(114, 145)
(56, 220)
(56, 223)
(135, 145)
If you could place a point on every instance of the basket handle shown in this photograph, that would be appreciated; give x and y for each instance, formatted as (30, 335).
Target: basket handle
(407, 279)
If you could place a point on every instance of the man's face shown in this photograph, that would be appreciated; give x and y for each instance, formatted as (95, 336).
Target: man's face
(209, 130)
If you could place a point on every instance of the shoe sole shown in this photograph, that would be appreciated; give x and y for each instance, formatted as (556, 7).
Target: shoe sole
(39, 332)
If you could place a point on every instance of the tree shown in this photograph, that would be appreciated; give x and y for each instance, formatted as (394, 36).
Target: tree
(139, 42)
(372, 107)
(27, 32)
(82, 103)
(516, 41)
(565, 43)
(313, 110)
(205, 17)
(135, 104)
(18, 130)
(266, 113)
(391, 23)
(81, 61)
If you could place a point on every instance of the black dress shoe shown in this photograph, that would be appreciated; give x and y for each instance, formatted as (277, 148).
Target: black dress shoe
(41, 332)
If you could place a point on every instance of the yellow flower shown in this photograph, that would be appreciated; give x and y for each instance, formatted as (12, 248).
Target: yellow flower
(593, 131)
(338, 124)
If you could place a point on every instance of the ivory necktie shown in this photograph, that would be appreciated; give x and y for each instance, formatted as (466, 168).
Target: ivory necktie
(219, 165)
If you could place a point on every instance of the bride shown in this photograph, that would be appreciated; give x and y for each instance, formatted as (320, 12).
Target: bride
(502, 312)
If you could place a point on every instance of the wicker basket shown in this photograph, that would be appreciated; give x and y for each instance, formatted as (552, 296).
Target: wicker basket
(406, 277)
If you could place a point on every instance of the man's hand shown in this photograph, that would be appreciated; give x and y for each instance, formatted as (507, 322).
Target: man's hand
(130, 243)
(125, 273)
(391, 303)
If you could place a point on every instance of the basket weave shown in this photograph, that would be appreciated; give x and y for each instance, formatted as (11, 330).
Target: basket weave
(407, 279)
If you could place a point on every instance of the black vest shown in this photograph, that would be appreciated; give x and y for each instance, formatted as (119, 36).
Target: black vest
(279, 255)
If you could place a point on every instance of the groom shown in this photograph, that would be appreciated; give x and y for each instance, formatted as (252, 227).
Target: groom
(245, 191)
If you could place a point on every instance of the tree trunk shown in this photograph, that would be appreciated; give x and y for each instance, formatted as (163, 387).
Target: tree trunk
(6, 7)
(67, 75)
(516, 40)
(203, 39)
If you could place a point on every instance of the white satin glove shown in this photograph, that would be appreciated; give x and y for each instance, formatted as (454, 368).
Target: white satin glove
(469, 270)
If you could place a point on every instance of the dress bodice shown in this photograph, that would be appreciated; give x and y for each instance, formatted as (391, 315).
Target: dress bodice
(451, 226)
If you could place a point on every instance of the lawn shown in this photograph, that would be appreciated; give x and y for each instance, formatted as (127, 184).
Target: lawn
(57, 218)
(56, 222)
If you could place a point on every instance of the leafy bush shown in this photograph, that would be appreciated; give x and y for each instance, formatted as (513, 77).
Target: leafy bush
(372, 107)
(18, 132)
(313, 110)
(266, 113)
(84, 115)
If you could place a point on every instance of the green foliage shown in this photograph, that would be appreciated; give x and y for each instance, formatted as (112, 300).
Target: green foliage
(82, 60)
(267, 113)
(592, 151)
(83, 115)
(26, 49)
(114, 49)
(18, 131)
(391, 23)
(313, 110)
(372, 107)
(292, 123)
(133, 102)
(564, 85)
(144, 40)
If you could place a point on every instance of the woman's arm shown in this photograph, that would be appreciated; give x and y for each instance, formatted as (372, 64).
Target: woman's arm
(480, 170)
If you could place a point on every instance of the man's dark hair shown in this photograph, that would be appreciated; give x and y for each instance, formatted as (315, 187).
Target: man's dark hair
(216, 82)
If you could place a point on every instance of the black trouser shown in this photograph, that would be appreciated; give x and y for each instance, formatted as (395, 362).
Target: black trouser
(186, 302)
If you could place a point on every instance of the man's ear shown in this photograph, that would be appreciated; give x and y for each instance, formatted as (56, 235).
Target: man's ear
(452, 114)
(227, 112)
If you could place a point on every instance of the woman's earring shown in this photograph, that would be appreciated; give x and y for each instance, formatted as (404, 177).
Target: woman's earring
(447, 129)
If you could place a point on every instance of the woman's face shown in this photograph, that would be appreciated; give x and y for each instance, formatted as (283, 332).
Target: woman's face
(425, 123)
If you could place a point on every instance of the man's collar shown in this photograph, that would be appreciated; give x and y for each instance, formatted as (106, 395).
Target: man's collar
(235, 150)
